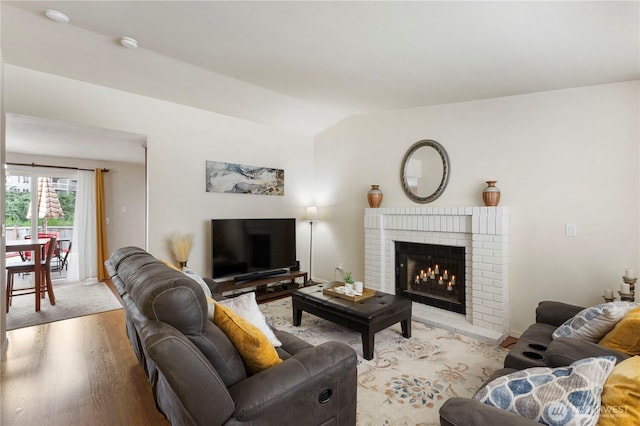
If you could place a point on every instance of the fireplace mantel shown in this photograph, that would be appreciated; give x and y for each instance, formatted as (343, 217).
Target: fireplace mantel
(483, 231)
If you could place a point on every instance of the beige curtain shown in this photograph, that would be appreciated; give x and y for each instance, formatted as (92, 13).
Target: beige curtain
(101, 226)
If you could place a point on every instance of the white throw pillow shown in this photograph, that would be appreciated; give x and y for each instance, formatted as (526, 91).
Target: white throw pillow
(591, 324)
(197, 278)
(247, 308)
(552, 396)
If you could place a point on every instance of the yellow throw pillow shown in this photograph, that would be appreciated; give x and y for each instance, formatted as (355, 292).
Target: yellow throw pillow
(625, 336)
(621, 395)
(254, 348)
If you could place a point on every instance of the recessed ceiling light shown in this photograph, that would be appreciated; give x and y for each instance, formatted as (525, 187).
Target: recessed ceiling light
(129, 42)
(56, 16)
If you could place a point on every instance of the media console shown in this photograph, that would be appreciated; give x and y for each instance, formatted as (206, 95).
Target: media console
(268, 288)
(252, 276)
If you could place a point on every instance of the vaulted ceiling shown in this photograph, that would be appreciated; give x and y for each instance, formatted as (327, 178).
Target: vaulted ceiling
(305, 65)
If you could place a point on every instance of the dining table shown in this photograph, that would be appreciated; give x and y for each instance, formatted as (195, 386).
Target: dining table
(37, 247)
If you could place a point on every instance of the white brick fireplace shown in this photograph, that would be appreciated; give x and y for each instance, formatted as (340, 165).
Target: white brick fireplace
(483, 231)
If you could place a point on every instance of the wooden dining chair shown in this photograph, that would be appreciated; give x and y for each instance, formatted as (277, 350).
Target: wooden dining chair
(24, 268)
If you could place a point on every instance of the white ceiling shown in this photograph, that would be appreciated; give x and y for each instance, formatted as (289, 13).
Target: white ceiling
(306, 65)
(42, 136)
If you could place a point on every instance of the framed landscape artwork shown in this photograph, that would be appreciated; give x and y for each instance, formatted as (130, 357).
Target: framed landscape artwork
(242, 179)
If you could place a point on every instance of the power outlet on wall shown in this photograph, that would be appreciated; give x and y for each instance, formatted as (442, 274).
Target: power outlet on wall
(338, 273)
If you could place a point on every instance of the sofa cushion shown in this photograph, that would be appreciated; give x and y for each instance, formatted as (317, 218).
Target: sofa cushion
(555, 313)
(625, 336)
(125, 253)
(247, 308)
(565, 395)
(591, 324)
(291, 344)
(166, 295)
(197, 278)
(256, 350)
(191, 274)
(563, 351)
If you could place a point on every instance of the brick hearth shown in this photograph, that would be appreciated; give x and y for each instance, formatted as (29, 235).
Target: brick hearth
(483, 231)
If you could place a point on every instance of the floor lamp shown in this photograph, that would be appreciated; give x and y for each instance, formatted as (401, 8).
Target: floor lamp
(312, 216)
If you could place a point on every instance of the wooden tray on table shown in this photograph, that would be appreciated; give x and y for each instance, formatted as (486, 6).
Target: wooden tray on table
(366, 293)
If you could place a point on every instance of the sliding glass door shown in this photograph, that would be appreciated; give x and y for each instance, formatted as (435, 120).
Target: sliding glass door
(41, 203)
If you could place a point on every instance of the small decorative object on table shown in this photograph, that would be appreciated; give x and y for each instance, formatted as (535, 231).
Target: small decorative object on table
(608, 295)
(491, 194)
(336, 288)
(627, 288)
(348, 278)
(374, 196)
(181, 247)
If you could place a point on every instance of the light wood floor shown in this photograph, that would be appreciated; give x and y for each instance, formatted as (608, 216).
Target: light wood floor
(80, 371)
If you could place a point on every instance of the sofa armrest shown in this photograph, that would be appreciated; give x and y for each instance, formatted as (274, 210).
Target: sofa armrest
(555, 313)
(565, 350)
(293, 390)
(464, 411)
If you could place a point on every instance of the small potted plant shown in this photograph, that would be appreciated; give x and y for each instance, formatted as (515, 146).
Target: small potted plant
(348, 279)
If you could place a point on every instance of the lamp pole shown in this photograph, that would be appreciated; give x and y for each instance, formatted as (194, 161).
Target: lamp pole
(312, 216)
(310, 251)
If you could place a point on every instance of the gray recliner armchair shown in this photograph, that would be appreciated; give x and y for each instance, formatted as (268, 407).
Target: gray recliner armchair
(535, 348)
(196, 374)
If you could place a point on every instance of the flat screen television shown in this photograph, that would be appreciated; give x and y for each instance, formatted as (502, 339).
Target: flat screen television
(251, 248)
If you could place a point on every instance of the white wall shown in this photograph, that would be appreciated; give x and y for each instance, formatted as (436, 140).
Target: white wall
(3, 287)
(180, 139)
(560, 157)
(124, 187)
(568, 156)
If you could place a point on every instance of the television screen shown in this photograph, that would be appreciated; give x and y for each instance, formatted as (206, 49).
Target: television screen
(252, 246)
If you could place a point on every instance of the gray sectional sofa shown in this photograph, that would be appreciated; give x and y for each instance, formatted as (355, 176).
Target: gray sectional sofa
(197, 376)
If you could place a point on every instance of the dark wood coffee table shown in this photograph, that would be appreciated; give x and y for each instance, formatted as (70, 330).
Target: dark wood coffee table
(367, 316)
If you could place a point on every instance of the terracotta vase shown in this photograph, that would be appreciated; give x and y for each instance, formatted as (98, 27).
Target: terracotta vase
(491, 194)
(374, 196)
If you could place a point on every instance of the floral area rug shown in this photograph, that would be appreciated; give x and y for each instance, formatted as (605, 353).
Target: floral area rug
(407, 380)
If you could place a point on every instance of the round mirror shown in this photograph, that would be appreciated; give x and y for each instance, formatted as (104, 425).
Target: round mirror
(425, 171)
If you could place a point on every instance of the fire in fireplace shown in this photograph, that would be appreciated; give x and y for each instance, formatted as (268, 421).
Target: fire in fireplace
(431, 274)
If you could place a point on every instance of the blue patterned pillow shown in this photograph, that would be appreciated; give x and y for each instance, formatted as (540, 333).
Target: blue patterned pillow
(591, 324)
(552, 396)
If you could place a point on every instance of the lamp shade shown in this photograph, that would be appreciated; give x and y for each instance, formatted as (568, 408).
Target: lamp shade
(312, 213)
